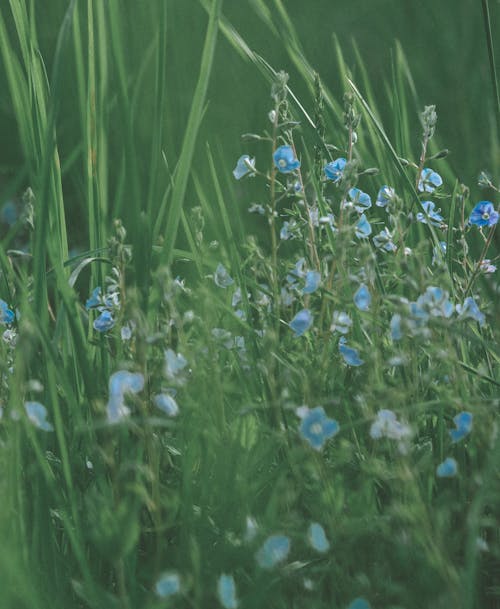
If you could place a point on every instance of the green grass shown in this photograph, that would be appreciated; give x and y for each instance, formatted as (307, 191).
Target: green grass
(127, 128)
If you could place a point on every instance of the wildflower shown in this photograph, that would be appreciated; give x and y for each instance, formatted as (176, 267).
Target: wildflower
(95, 298)
(396, 331)
(127, 330)
(385, 195)
(486, 266)
(350, 355)
(274, 550)
(167, 404)
(244, 166)
(317, 538)
(359, 200)
(312, 282)
(341, 322)
(37, 414)
(447, 469)
(463, 424)
(226, 591)
(120, 383)
(287, 230)
(470, 310)
(317, 428)
(430, 214)
(439, 252)
(484, 214)
(362, 298)
(222, 278)
(335, 169)
(384, 241)
(301, 322)
(429, 180)
(174, 363)
(363, 227)
(284, 159)
(359, 603)
(6, 315)
(435, 301)
(104, 322)
(298, 271)
(168, 584)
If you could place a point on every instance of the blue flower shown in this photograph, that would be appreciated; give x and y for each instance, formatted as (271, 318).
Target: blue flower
(396, 330)
(166, 402)
(6, 315)
(95, 298)
(301, 322)
(341, 322)
(244, 166)
(120, 383)
(168, 584)
(470, 309)
(37, 414)
(384, 241)
(435, 301)
(317, 428)
(222, 278)
(362, 298)
(226, 591)
(350, 355)
(463, 424)
(298, 271)
(284, 159)
(385, 196)
(430, 214)
(429, 180)
(287, 230)
(359, 199)
(317, 538)
(335, 169)
(174, 363)
(313, 279)
(447, 469)
(484, 214)
(386, 425)
(363, 227)
(359, 603)
(274, 550)
(104, 322)
(439, 252)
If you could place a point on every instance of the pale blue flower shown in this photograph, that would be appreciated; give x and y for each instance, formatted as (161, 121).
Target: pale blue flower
(287, 230)
(341, 322)
(37, 414)
(430, 214)
(435, 301)
(6, 315)
(222, 278)
(359, 603)
(167, 404)
(317, 428)
(484, 214)
(447, 469)
(385, 195)
(386, 425)
(104, 322)
(301, 322)
(274, 551)
(284, 159)
(350, 355)
(362, 298)
(226, 591)
(174, 364)
(317, 538)
(298, 271)
(396, 330)
(359, 200)
(335, 169)
(470, 310)
(439, 252)
(244, 166)
(363, 227)
(168, 584)
(463, 424)
(429, 180)
(312, 281)
(95, 298)
(384, 241)
(120, 383)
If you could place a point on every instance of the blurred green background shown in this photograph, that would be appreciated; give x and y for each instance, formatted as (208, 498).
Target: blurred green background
(443, 42)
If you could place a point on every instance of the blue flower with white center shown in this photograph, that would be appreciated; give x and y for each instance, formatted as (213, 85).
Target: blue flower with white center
(359, 200)
(383, 241)
(385, 195)
(222, 278)
(317, 538)
(120, 383)
(317, 428)
(335, 170)
(6, 315)
(168, 584)
(470, 310)
(435, 301)
(463, 424)
(37, 414)
(359, 603)
(167, 404)
(447, 469)
(174, 364)
(362, 298)
(104, 322)
(312, 281)
(341, 322)
(95, 299)
(301, 322)
(484, 214)
(363, 227)
(284, 159)
(244, 166)
(226, 591)
(350, 355)
(273, 551)
(430, 214)
(429, 180)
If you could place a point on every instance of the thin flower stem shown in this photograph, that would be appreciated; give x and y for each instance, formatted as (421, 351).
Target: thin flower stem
(480, 261)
